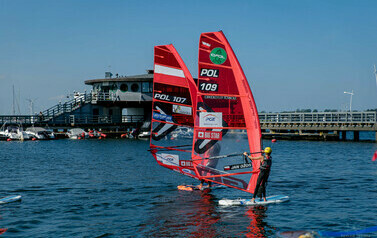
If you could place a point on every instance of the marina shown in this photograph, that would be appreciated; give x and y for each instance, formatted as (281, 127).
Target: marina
(173, 119)
(117, 105)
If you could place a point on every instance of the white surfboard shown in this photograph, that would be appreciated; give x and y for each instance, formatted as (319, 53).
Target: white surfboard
(8, 199)
(258, 201)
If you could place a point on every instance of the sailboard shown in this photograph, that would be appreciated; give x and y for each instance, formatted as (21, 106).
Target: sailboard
(197, 188)
(8, 199)
(317, 234)
(258, 201)
(174, 97)
(225, 110)
(218, 108)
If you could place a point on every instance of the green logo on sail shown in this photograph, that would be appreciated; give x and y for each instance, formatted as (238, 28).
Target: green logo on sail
(218, 56)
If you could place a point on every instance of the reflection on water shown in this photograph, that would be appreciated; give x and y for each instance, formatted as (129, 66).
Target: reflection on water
(257, 225)
(190, 214)
(196, 214)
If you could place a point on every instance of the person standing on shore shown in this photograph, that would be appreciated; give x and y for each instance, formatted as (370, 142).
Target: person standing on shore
(265, 167)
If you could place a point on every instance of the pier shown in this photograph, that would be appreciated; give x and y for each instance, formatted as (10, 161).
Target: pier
(307, 126)
(318, 125)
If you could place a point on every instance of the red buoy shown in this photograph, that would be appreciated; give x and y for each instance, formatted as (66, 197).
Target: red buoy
(9, 139)
(34, 138)
(273, 140)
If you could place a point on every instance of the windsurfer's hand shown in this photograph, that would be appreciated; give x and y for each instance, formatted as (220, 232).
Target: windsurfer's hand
(245, 153)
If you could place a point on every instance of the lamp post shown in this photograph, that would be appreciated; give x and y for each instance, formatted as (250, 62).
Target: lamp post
(350, 93)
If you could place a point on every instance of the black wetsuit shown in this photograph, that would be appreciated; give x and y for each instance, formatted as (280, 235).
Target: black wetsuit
(265, 168)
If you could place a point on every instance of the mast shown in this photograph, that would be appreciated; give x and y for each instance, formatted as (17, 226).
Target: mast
(14, 102)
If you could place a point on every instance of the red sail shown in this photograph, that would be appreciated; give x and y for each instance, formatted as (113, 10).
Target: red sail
(174, 94)
(226, 115)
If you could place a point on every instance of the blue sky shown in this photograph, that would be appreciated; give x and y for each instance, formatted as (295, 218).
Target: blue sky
(295, 54)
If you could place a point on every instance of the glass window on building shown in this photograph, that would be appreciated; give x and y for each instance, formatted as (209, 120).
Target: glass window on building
(145, 87)
(124, 87)
(114, 87)
(135, 87)
(151, 87)
(105, 89)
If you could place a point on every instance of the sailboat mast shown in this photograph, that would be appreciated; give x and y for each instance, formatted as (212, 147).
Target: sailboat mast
(13, 105)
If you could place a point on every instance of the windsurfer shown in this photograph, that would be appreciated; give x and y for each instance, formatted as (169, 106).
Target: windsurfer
(211, 152)
(265, 167)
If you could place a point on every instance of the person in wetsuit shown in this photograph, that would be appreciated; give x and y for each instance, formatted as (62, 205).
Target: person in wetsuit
(265, 167)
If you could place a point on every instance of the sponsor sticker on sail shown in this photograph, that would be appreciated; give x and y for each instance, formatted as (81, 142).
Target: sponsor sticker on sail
(188, 172)
(186, 163)
(209, 135)
(218, 55)
(210, 119)
(182, 110)
(168, 159)
(162, 117)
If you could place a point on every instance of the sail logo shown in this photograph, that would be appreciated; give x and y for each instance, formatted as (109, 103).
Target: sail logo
(218, 56)
(206, 44)
(168, 159)
(162, 117)
(210, 119)
(188, 172)
(182, 109)
(209, 135)
(213, 73)
(186, 163)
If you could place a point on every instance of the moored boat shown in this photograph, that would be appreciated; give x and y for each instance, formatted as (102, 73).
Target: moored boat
(77, 133)
(14, 132)
(40, 133)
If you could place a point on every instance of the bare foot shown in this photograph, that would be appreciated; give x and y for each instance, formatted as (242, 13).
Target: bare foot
(253, 200)
(265, 199)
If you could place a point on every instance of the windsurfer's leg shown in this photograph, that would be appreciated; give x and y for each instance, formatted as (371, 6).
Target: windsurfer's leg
(259, 180)
(264, 182)
(264, 193)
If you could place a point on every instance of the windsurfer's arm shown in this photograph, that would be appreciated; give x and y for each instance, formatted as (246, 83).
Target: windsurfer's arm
(253, 158)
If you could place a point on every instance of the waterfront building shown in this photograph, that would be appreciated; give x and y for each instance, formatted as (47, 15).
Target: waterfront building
(125, 97)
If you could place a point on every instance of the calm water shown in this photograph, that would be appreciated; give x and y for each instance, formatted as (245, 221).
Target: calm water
(114, 188)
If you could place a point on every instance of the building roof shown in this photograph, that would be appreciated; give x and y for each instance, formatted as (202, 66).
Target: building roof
(139, 78)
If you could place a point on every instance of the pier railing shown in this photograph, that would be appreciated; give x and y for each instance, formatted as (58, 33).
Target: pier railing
(275, 119)
(319, 117)
(66, 107)
(71, 119)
